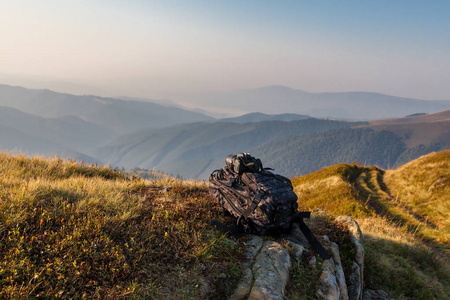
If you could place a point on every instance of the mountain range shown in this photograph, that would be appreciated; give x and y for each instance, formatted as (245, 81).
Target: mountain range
(117, 115)
(138, 134)
(194, 150)
(345, 105)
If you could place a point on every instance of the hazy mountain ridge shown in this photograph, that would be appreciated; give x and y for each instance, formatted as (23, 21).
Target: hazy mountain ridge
(16, 141)
(343, 105)
(118, 115)
(260, 117)
(70, 132)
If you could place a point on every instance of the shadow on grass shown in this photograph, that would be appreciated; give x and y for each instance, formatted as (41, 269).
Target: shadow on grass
(405, 271)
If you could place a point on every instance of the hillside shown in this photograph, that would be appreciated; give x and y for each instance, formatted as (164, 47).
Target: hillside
(387, 143)
(292, 148)
(16, 141)
(403, 214)
(346, 105)
(70, 230)
(421, 134)
(195, 150)
(74, 230)
(66, 132)
(298, 155)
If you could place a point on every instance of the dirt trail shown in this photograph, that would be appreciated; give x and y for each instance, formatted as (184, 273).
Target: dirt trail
(372, 189)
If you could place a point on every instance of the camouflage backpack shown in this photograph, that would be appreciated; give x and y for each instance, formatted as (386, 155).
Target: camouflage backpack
(262, 202)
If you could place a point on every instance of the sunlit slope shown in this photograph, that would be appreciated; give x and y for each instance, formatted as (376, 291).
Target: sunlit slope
(415, 195)
(332, 189)
(403, 214)
(422, 187)
(71, 230)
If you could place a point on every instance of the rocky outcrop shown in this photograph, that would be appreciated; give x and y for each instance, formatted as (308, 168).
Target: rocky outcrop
(253, 245)
(355, 286)
(328, 288)
(266, 269)
(340, 276)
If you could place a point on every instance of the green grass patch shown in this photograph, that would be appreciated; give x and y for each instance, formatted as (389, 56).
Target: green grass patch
(304, 280)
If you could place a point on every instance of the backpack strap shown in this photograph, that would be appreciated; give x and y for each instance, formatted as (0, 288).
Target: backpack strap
(310, 236)
(255, 201)
(235, 229)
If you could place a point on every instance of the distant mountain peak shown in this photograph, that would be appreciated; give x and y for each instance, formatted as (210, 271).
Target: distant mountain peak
(280, 88)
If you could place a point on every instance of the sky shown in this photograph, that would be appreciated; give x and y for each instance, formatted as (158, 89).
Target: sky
(180, 50)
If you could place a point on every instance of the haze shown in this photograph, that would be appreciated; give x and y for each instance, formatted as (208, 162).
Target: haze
(182, 49)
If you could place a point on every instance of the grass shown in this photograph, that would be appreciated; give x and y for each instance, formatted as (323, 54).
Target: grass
(332, 189)
(304, 280)
(401, 264)
(69, 230)
(423, 188)
(403, 214)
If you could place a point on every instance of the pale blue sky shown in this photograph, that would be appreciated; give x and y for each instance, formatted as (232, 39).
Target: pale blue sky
(178, 49)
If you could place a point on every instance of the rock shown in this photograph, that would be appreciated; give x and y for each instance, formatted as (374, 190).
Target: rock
(270, 272)
(166, 189)
(318, 212)
(328, 289)
(340, 276)
(355, 284)
(312, 263)
(376, 295)
(253, 245)
(298, 235)
(245, 285)
(352, 225)
(265, 272)
(296, 250)
(439, 184)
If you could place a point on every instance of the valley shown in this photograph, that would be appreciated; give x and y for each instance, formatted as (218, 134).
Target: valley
(128, 134)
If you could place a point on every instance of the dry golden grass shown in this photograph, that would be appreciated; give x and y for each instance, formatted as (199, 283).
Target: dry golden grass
(331, 189)
(401, 264)
(397, 258)
(423, 188)
(69, 230)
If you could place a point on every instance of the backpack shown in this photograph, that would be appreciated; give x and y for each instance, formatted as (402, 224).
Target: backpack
(262, 202)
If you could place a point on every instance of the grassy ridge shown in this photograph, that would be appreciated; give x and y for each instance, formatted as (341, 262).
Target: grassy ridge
(422, 187)
(395, 227)
(72, 230)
